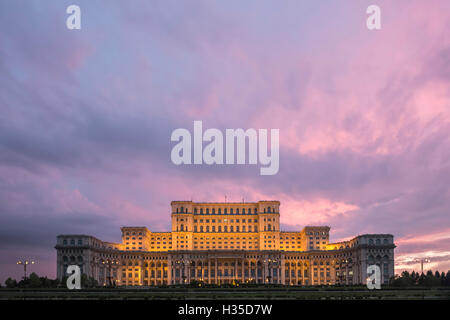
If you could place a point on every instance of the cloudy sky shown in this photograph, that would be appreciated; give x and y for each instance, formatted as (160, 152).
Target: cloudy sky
(86, 117)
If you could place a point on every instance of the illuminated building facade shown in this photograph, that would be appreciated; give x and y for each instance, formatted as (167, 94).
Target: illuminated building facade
(226, 243)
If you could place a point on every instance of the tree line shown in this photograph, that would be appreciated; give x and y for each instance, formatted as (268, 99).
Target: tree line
(430, 279)
(405, 279)
(34, 281)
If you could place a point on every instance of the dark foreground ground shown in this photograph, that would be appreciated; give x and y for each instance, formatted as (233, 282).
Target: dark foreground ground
(259, 293)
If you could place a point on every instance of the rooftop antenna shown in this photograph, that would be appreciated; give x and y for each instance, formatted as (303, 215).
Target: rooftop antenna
(225, 198)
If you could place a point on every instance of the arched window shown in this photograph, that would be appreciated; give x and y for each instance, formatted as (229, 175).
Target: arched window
(378, 241)
(256, 210)
(370, 241)
(225, 211)
(249, 211)
(201, 210)
(237, 210)
(268, 209)
(195, 210)
(231, 210)
(213, 211)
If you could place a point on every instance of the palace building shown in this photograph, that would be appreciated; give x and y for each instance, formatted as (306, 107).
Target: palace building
(218, 243)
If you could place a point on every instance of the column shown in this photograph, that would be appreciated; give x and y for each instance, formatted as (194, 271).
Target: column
(243, 270)
(215, 273)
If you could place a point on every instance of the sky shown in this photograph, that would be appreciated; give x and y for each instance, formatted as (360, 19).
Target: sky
(86, 118)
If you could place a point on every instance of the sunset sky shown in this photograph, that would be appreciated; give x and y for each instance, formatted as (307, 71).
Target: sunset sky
(86, 117)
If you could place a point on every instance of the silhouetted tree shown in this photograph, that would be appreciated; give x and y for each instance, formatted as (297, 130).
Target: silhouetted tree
(11, 283)
(35, 281)
(429, 279)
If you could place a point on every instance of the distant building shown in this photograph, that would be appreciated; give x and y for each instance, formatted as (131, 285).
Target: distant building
(226, 243)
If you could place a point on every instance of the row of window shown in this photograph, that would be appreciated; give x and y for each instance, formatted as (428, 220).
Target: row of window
(378, 241)
(72, 242)
(225, 210)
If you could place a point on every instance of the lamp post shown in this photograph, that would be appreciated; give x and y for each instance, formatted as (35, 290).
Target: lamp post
(422, 261)
(183, 263)
(110, 263)
(25, 263)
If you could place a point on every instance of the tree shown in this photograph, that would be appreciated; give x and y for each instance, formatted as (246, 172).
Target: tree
(35, 281)
(447, 278)
(442, 278)
(10, 283)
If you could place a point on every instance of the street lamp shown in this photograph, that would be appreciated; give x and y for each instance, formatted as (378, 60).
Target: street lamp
(110, 263)
(422, 261)
(25, 263)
